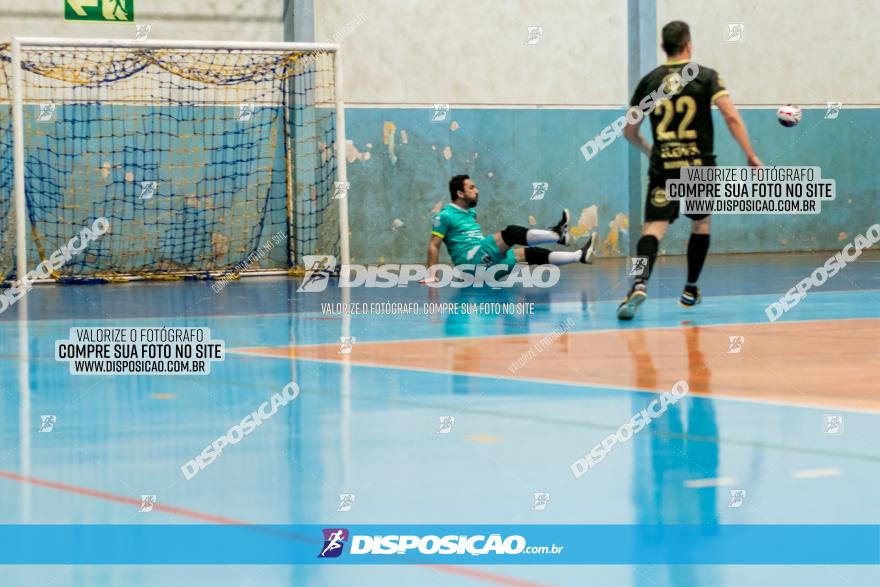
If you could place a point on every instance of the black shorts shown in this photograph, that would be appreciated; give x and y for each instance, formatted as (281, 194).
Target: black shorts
(658, 207)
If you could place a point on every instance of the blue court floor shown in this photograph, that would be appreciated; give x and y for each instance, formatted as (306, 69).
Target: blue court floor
(371, 430)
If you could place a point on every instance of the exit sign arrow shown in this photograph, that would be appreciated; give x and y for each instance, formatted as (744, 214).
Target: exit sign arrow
(99, 10)
(77, 5)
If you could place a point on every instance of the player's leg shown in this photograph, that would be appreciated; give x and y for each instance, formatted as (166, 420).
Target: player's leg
(520, 235)
(660, 212)
(647, 247)
(698, 247)
(539, 256)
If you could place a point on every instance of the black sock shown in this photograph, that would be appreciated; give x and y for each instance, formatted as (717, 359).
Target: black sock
(537, 256)
(514, 235)
(698, 246)
(647, 247)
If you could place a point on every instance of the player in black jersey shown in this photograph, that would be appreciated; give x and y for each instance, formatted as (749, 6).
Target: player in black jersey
(683, 136)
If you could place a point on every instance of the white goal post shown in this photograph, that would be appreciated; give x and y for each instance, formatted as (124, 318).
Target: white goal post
(230, 140)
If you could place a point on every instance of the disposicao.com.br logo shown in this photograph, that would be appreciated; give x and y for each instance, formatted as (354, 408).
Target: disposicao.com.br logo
(319, 268)
(431, 544)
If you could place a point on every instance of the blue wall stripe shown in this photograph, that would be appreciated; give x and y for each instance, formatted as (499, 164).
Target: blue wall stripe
(642, 57)
(299, 21)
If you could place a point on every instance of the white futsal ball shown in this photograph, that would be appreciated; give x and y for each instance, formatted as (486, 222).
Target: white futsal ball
(788, 115)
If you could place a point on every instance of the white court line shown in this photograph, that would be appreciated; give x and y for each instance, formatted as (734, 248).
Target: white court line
(576, 384)
(713, 482)
(816, 473)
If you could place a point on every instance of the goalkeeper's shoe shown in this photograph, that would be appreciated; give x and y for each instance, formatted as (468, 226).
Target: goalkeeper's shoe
(588, 251)
(690, 297)
(628, 307)
(561, 228)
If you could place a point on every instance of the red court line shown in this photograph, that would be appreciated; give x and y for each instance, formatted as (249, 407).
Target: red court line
(195, 515)
(120, 499)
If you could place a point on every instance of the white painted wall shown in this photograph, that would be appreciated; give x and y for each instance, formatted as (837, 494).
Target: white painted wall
(234, 20)
(467, 52)
(474, 52)
(793, 51)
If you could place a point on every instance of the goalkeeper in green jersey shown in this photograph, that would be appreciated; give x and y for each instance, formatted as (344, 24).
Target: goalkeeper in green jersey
(456, 225)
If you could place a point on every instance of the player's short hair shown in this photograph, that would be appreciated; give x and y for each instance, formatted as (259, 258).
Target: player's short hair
(456, 184)
(676, 35)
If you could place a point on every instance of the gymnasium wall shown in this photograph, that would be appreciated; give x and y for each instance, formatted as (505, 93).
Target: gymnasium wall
(520, 112)
(475, 53)
(240, 20)
(813, 55)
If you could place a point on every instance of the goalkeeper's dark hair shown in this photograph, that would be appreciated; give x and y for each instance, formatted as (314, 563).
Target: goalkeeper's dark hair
(676, 35)
(456, 184)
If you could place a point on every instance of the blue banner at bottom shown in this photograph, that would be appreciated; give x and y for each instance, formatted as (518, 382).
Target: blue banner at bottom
(440, 544)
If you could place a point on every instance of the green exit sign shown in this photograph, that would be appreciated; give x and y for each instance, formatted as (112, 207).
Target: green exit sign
(99, 10)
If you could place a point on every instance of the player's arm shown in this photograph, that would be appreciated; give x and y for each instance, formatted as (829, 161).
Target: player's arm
(633, 134)
(737, 128)
(721, 98)
(433, 256)
(439, 228)
(440, 225)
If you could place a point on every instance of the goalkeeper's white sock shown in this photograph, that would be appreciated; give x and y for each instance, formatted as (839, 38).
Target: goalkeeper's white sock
(564, 257)
(540, 236)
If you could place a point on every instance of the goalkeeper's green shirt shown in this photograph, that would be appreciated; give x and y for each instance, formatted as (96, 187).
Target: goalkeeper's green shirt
(460, 231)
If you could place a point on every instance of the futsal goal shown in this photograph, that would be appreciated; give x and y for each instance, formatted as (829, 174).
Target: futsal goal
(205, 158)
